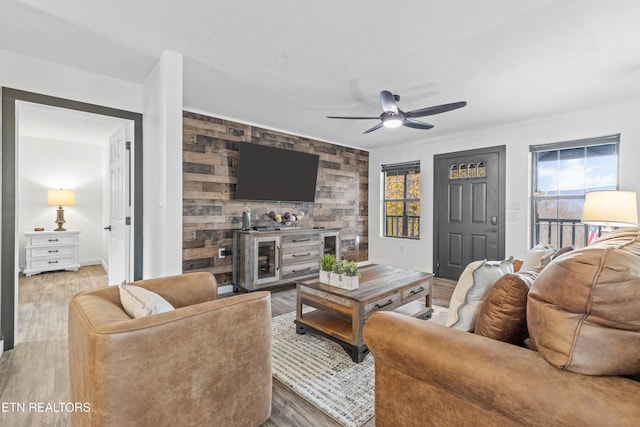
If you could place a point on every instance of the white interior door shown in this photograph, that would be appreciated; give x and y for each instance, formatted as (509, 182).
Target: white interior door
(119, 208)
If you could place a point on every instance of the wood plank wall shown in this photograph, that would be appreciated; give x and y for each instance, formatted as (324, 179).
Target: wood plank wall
(211, 213)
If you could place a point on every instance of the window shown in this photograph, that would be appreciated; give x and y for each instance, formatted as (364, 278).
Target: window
(562, 174)
(401, 206)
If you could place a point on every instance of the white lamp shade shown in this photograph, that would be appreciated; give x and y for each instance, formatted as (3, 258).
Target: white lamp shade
(610, 208)
(61, 198)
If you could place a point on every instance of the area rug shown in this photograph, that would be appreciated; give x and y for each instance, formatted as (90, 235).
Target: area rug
(322, 373)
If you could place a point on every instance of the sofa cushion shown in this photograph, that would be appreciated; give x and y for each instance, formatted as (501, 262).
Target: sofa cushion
(583, 310)
(503, 316)
(140, 302)
(470, 291)
(538, 256)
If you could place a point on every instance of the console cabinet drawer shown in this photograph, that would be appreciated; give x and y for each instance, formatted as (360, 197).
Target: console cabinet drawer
(300, 239)
(303, 269)
(298, 254)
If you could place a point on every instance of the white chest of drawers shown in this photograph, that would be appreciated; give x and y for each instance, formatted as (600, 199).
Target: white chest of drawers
(51, 250)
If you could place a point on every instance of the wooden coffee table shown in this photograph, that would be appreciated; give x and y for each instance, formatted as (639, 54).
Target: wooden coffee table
(340, 314)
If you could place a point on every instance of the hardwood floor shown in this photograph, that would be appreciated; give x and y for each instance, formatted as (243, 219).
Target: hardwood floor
(37, 369)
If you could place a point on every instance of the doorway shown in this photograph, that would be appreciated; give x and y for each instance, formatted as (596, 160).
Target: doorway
(9, 195)
(469, 217)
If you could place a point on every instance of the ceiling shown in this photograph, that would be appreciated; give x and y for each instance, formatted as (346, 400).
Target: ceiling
(286, 64)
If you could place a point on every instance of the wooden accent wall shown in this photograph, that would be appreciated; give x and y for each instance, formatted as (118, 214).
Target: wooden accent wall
(211, 213)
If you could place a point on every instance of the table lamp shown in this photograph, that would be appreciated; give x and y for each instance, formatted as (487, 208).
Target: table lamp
(59, 198)
(609, 209)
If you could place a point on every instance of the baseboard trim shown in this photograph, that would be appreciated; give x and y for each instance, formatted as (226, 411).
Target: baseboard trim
(225, 289)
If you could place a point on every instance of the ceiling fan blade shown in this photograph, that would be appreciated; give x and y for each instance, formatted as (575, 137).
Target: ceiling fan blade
(416, 124)
(428, 111)
(388, 102)
(376, 127)
(353, 118)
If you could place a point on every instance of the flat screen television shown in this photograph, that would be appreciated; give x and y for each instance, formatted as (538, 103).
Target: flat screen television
(268, 173)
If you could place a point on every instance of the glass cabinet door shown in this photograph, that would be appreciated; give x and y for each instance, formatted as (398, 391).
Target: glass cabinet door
(331, 244)
(267, 259)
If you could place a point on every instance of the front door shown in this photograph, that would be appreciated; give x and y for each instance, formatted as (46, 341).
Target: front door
(469, 209)
(119, 208)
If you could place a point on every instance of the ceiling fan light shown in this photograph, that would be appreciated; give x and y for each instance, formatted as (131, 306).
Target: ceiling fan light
(392, 121)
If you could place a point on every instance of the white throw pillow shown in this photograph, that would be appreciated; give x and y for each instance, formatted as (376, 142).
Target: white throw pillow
(140, 302)
(538, 256)
(471, 289)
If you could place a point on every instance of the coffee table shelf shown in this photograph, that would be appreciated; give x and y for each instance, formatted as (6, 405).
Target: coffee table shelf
(328, 324)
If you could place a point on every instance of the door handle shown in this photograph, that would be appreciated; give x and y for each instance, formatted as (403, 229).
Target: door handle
(108, 228)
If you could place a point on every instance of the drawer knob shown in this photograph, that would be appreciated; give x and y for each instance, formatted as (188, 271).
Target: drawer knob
(53, 251)
(53, 240)
(53, 262)
(298, 271)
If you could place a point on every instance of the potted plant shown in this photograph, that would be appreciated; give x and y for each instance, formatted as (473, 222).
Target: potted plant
(327, 264)
(344, 275)
(350, 277)
(351, 269)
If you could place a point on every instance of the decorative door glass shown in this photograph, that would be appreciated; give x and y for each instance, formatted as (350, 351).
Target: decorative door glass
(267, 267)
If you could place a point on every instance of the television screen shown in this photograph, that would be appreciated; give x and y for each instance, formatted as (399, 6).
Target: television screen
(268, 173)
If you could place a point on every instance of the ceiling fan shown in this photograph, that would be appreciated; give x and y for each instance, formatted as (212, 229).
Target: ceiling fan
(393, 117)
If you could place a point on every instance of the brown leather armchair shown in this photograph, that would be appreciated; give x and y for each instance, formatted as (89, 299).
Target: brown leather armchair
(208, 362)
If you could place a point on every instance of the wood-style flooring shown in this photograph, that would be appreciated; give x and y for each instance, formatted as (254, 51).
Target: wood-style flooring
(37, 370)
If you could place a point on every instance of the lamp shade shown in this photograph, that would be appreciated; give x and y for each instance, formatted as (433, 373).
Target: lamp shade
(610, 209)
(61, 198)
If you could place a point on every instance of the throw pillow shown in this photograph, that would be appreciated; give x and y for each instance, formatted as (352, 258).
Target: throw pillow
(538, 256)
(561, 252)
(583, 310)
(503, 316)
(140, 302)
(470, 291)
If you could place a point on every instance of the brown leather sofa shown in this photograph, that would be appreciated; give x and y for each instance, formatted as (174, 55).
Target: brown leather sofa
(583, 307)
(207, 363)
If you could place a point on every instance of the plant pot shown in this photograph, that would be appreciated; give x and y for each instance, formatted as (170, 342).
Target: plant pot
(339, 280)
(349, 282)
(324, 277)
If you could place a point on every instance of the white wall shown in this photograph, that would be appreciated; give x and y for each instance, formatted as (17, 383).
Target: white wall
(617, 118)
(162, 166)
(49, 78)
(48, 164)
